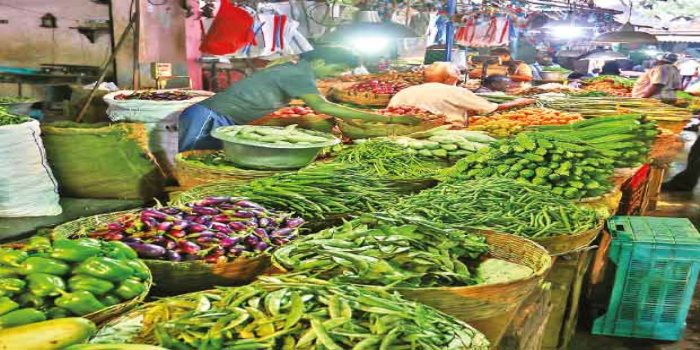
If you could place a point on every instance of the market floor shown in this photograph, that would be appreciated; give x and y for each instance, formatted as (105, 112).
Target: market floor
(671, 205)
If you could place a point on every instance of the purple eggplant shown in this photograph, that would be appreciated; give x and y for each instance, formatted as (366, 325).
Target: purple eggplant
(212, 201)
(165, 226)
(131, 240)
(170, 244)
(229, 242)
(203, 219)
(205, 210)
(205, 240)
(171, 255)
(113, 236)
(253, 222)
(159, 240)
(152, 213)
(218, 226)
(221, 235)
(236, 251)
(179, 225)
(283, 232)
(196, 228)
(249, 204)
(226, 206)
(261, 233)
(189, 247)
(150, 222)
(190, 218)
(251, 240)
(261, 246)
(170, 210)
(213, 259)
(244, 214)
(293, 223)
(115, 226)
(280, 241)
(221, 218)
(264, 222)
(149, 251)
(237, 226)
(177, 233)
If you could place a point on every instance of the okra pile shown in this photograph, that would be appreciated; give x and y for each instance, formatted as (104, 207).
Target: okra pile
(385, 158)
(501, 205)
(46, 279)
(562, 165)
(386, 254)
(289, 313)
(627, 138)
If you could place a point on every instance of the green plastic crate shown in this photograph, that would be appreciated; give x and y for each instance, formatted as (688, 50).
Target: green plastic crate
(657, 263)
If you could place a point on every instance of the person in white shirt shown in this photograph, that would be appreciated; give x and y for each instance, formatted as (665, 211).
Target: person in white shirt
(661, 81)
(689, 68)
(439, 95)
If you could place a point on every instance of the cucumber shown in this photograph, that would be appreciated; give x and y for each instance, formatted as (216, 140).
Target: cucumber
(425, 152)
(417, 144)
(431, 145)
(449, 147)
(48, 335)
(467, 146)
(440, 153)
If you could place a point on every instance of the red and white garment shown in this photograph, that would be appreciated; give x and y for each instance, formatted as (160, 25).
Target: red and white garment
(479, 33)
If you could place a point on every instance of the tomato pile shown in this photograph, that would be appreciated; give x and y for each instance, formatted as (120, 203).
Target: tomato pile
(383, 87)
(408, 110)
(295, 112)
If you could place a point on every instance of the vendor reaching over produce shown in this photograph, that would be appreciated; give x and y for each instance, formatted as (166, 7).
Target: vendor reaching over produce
(661, 81)
(439, 95)
(258, 95)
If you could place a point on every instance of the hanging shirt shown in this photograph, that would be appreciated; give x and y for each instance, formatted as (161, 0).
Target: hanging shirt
(437, 98)
(263, 92)
(666, 75)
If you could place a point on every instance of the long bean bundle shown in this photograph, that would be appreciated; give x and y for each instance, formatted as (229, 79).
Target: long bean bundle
(295, 313)
(386, 158)
(592, 107)
(316, 192)
(499, 204)
(393, 255)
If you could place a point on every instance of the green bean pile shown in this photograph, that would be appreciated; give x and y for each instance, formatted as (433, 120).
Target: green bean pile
(7, 118)
(315, 192)
(499, 204)
(386, 254)
(296, 313)
(386, 158)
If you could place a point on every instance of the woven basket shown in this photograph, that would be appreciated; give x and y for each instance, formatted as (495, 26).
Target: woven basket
(477, 302)
(358, 130)
(192, 173)
(319, 123)
(114, 311)
(675, 126)
(666, 148)
(369, 99)
(609, 201)
(170, 278)
(560, 245)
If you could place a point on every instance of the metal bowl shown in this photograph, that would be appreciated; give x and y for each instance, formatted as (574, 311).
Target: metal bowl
(269, 156)
(553, 76)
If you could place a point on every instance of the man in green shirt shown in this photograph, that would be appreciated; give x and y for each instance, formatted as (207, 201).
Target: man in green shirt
(258, 95)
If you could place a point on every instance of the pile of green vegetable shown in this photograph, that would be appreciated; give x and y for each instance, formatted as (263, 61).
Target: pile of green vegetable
(595, 107)
(44, 279)
(314, 192)
(13, 99)
(444, 144)
(272, 135)
(555, 69)
(294, 313)
(385, 158)
(627, 138)
(498, 204)
(386, 254)
(7, 118)
(565, 166)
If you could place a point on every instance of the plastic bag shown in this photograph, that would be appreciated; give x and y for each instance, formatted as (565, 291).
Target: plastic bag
(230, 31)
(27, 186)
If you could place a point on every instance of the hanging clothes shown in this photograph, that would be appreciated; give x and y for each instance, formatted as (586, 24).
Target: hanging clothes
(231, 30)
(477, 32)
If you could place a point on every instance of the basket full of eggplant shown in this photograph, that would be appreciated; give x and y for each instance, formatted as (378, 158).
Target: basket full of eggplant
(196, 245)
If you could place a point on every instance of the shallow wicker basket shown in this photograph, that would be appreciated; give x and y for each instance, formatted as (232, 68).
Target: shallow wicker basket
(357, 129)
(369, 99)
(609, 201)
(321, 123)
(192, 173)
(171, 278)
(666, 147)
(675, 126)
(114, 311)
(560, 245)
(483, 301)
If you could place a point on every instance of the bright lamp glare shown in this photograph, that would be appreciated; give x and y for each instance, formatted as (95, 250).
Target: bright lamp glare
(369, 44)
(567, 32)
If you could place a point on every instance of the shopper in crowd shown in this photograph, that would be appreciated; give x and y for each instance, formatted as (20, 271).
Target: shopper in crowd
(689, 69)
(494, 83)
(261, 94)
(518, 71)
(687, 179)
(543, 60)
(439, 95)
(661, 81)
(610, 68)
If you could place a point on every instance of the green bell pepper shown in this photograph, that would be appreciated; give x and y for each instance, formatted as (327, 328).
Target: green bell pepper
(43, 284)
(37, 264)
(8, 271)
(12, 257)
(110, 300)
(7, 305)
(30, 300)
(75, 250)
(11, 286)
(130, 288)
(91, 284)
(57, 312)
(21, 317)
(38, 244)
(140, 269)
(105, 268)
(79, 303)
(119, 250)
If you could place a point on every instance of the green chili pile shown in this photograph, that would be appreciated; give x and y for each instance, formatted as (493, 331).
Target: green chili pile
(314, 192)
(7, 118)
(499, 204)
(392, 255)
(386, 158)
(301, 313)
